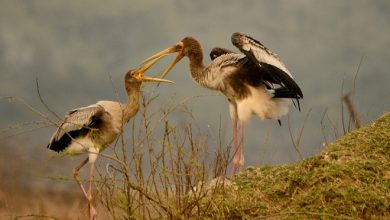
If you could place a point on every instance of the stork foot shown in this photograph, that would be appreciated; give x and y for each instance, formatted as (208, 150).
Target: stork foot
(234, 167)
(92, 212)
(233, 172)
(241, 164)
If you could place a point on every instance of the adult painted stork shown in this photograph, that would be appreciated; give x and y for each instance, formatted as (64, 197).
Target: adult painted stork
(89, 130)
(254, 82)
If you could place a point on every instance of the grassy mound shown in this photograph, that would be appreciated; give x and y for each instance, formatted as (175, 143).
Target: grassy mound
(350, 179)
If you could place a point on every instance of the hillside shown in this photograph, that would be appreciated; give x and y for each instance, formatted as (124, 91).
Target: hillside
(349, 179)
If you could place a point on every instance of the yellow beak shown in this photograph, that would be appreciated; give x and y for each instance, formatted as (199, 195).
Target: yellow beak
(156, 57)
(141, 77)
(152, 79)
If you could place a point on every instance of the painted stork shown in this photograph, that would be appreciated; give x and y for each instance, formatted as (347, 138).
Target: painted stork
(89, 130)
(254, 82)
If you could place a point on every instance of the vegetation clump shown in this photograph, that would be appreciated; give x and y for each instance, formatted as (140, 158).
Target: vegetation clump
(349, 179)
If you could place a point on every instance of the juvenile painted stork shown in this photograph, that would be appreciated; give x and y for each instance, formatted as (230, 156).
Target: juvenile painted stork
(89, 130)
(254, 82)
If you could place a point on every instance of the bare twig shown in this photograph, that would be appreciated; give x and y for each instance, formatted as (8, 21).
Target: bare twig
(322, 123)
(30, 107)
(351, 109)
(296, 143)
(34, 216)
(348, 100)
(44, 103)
(342, 106)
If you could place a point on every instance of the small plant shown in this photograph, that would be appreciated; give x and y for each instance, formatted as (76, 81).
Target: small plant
(161, 175)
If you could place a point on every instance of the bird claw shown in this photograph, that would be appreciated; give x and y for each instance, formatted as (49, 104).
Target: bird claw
(241, 164)
(92, 213)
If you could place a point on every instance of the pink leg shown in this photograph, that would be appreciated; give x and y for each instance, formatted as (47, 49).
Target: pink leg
(242, 160)
(88, 196)
(235, 158)
(92, 210)
(77, 178)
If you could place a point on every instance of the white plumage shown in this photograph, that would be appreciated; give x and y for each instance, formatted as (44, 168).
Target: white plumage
(261, 104)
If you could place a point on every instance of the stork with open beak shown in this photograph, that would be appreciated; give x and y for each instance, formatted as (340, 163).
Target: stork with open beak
(89, 130)
(254, 82)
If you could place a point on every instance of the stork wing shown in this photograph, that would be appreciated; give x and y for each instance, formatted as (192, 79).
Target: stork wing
(221, 67)
(77, 122)
(269, 62)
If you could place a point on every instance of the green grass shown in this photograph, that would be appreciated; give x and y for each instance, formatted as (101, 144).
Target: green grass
(349, 179)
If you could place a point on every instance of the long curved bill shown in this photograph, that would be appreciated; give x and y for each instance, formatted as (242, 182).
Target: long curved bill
(144, 78)
(152, 79)
(156, 57)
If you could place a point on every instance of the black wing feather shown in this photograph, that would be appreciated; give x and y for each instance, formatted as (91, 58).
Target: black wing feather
(77, 123)
(267, 61)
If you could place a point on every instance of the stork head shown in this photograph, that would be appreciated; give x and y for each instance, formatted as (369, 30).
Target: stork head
(189, 47)
(135, 77)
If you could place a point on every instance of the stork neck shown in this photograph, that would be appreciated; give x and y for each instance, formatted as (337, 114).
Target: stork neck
(196, 64)
(132, 105)
(199, 72)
